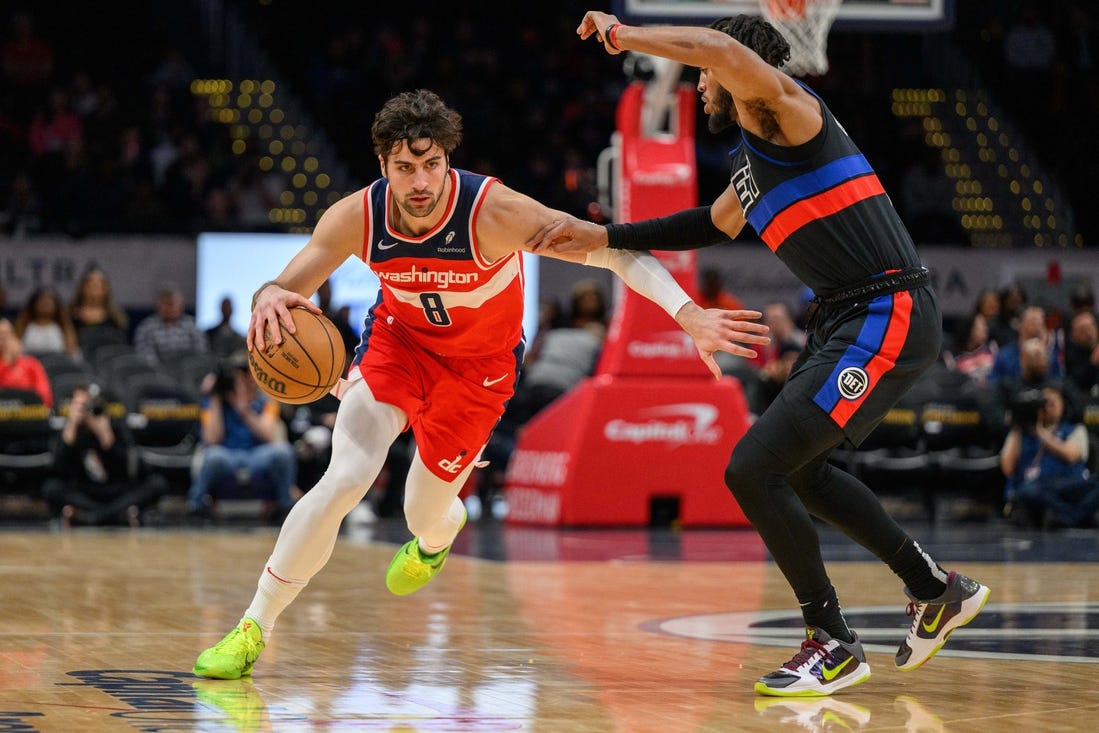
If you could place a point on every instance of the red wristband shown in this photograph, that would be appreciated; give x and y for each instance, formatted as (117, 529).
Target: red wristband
(610, 33)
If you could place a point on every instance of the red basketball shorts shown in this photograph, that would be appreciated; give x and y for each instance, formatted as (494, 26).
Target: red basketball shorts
(453, 404)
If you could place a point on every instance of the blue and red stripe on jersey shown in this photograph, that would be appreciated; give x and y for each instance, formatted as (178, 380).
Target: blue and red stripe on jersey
(812, 196)
(875, 351)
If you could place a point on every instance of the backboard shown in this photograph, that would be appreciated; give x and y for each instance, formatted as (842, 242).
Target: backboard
(894, 15)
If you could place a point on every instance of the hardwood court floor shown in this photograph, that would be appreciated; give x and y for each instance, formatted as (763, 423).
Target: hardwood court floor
(564, 631)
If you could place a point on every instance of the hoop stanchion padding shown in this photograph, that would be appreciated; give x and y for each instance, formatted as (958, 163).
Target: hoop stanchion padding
(602, 454)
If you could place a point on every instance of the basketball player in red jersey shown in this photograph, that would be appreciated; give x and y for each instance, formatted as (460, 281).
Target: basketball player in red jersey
(813, 198)
(440, 350)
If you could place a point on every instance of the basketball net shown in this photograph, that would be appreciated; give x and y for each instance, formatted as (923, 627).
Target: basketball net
(805, 25)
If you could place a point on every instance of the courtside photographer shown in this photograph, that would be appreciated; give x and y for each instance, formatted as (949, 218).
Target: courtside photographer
(1044, 458)
(98, 479)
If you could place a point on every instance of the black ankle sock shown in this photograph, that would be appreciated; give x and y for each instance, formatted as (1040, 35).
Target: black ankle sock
(825, 613)
(923, 576)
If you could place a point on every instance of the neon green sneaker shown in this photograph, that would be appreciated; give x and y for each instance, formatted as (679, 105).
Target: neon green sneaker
(410, 569)
(232, 657)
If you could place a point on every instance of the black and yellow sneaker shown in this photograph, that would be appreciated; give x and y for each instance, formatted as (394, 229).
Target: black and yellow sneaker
(823, 666)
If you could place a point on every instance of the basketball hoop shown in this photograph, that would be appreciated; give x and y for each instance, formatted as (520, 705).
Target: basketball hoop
(805, 25)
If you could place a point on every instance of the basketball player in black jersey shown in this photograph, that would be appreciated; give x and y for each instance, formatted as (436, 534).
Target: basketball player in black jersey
(802, 184)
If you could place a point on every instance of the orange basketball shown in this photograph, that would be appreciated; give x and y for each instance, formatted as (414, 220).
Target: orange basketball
(305, 366)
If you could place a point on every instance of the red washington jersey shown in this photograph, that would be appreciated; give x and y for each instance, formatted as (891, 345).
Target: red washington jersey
(437, 288)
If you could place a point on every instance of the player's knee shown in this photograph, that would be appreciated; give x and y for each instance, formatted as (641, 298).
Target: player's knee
(749, 470)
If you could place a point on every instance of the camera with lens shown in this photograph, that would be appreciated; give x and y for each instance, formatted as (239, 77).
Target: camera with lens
(97, 404)
(1025, 408)
(227, 374)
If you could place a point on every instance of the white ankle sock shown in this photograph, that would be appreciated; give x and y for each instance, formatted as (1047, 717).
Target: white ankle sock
(272, 597)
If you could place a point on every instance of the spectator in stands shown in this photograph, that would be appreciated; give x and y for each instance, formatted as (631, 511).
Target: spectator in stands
(974, 352)
(28, 61)
(22, 215)
(987, 304)
(44, 326)
(223, 338)
(242, 430)
(97, 319)
(169, 333)
(54, 126)
(712, 292)
(1032, 325)
(348, 332)
(1005, 326)
(1044, 458)
(19, 370)
(1082, 298)
(764, 384)
(587, 305)
(97, 481)
(1082, 351)
(779, 318)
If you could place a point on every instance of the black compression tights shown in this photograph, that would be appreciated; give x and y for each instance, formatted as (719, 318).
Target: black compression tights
(781, 493)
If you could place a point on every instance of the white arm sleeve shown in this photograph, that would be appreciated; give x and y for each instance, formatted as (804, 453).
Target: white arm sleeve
(644, 274)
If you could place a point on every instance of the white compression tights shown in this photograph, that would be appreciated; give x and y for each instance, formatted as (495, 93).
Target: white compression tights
(361, 437)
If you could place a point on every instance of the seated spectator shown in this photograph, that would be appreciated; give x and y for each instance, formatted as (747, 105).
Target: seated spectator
(712, 292)
(19, 370)
(974, 351)
(223, 338)
(43, 325)
(169, 333)
(242, 430)
(587, 305)
(97, 481)
(1005, 325)
(1034, 372)
(780, 319)
(1044, 458)
(764, 384)
(1032, 325)
(96, 318)
(1082, 351)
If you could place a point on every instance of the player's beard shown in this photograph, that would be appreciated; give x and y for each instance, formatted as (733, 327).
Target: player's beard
(724, 111)
(420, 211)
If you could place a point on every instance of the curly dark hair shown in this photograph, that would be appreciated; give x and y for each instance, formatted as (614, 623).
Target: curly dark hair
(758, 35)
(413, 116)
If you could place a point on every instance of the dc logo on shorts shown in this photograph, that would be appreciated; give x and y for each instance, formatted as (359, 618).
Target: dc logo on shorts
(852, 382)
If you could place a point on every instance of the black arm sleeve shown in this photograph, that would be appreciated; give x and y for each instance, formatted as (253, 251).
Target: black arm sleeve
(689, 229)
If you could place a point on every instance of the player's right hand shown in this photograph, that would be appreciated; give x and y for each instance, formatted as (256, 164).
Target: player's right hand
(272, 307)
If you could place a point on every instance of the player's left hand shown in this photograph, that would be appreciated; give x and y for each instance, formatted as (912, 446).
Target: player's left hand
(716, 330)
(597, 22)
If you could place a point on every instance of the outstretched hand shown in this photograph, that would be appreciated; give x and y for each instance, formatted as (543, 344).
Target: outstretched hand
(597, 23)
(568, 235)
(272, 306)
(713, 330)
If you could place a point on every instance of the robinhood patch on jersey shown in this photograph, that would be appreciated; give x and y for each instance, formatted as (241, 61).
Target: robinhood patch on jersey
(852, 382)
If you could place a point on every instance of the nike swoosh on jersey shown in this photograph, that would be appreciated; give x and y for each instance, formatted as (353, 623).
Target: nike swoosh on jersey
(382, 244)
(489, 382)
